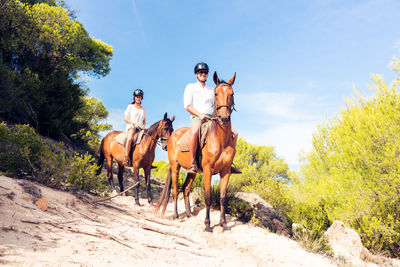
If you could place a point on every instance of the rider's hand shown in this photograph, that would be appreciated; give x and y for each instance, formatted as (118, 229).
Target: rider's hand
(204, 117)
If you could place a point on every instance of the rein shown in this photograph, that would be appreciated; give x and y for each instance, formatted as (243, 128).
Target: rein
(158, 142)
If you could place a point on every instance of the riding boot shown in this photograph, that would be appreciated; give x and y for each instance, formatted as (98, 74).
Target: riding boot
(192, 168)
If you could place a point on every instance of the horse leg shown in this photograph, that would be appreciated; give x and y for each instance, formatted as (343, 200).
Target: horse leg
(175, 175)
(186, 191)
(223, 187)
(109, 173)
(207, 189)
(147, 175)
(136, 180)
(121, 169)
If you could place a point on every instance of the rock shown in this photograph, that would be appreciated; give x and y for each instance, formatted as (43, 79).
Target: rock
(266, 214)
(346, 244)
(42, 204)
(31, 189)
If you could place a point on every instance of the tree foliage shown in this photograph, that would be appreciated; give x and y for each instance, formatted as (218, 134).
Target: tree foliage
(89, 119)
(352, 173)
(23, 153)
(42, 51)
(263, 172)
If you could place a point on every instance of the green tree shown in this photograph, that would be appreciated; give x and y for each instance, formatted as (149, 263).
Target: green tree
(352, 173)
(89, 119)
(263, 172)
(42, 51)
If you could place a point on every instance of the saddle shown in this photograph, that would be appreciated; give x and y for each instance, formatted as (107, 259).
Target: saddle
(204, 131)
(122, 137)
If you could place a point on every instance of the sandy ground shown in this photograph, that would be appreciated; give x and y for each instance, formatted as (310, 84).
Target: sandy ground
(73, 232)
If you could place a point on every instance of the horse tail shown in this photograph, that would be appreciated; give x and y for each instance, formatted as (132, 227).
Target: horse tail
(100, 162)
(164, 197)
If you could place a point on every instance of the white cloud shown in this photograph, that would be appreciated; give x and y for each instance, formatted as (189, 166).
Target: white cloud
(289, 139)
(396, 46)
(280, 105)
(116, 119)
(285, 121)
(139, 21)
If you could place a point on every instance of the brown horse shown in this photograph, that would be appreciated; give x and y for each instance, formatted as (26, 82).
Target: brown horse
(217, 156)
(142, 154)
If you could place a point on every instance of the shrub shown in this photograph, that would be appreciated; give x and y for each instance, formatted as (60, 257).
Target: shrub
(240, 209)
(83, 174)
(312, 241)
(20, 150)
(23, 153)
(162, 171)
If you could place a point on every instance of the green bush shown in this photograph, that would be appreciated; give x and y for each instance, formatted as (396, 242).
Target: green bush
(274, 192)
(162, 171)
(20, 150)
(312, 241)
(23, 153)
(83, 174)
(240, 209)
(352, 173)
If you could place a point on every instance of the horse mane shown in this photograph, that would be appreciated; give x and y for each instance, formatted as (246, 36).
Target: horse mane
(152, 129)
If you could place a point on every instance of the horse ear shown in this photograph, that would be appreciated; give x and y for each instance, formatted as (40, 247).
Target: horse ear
(165, 116)
(232, 80)
(216, 79)
(172, 119)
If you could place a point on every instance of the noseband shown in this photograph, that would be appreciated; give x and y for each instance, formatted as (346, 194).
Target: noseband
(230, 107)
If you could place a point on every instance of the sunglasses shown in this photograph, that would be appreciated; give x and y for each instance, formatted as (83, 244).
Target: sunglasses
(203, 72)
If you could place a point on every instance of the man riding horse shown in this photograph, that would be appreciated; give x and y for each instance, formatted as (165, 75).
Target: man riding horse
(198, 100)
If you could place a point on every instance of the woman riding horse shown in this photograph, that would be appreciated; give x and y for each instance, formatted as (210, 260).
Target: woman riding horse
(217, 156)
(135, 117)
(142, 155)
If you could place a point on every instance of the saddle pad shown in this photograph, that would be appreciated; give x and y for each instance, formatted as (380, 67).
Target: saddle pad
(121, 138)
(184, 141)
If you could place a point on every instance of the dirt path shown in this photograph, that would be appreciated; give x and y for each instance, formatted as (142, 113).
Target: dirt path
(74, 232)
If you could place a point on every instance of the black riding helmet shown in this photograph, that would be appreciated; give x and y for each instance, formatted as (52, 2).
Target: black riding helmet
(138, 92)
(201, 66)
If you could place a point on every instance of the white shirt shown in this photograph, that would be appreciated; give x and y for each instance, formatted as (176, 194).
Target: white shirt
(135, 115)
(199, 97)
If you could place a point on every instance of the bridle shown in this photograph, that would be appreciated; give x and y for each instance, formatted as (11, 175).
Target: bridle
(158, 141)
(230, 107)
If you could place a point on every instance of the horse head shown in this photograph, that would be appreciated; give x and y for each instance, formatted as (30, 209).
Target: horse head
(223, 98)
(165, 130)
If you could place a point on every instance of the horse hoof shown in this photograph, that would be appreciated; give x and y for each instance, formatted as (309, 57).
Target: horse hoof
(225, 227)
(175, 217)
(208, 229)
(137, 203)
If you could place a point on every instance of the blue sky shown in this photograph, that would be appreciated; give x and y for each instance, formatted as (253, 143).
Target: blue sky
(296, 61)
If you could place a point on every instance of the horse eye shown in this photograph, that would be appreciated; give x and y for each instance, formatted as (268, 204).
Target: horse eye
(215, 94)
